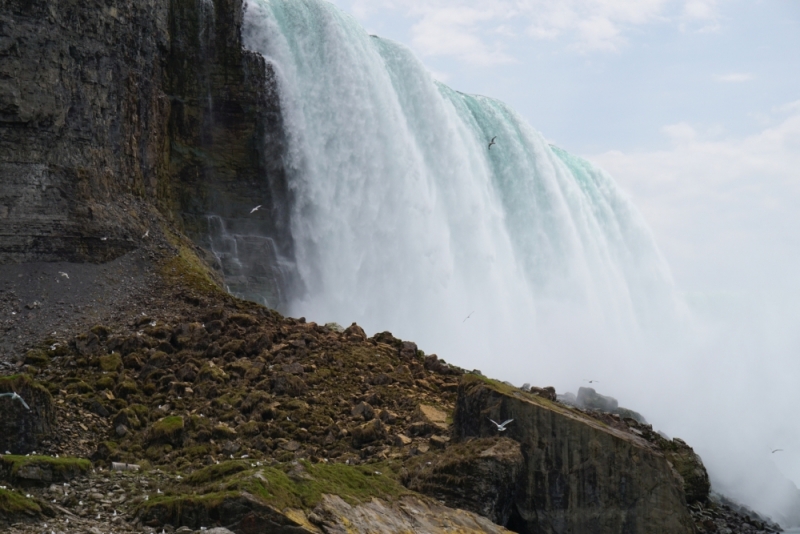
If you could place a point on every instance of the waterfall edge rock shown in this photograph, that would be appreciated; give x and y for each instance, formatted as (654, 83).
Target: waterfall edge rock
(579, 471)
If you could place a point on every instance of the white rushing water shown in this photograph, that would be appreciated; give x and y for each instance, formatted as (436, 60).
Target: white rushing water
(406, 221)
(521, 260)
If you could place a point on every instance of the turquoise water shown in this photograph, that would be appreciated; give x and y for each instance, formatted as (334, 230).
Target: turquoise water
(405, 219)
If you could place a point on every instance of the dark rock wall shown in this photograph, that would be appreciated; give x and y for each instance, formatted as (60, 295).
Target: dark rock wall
(110, 109)
(22, 429)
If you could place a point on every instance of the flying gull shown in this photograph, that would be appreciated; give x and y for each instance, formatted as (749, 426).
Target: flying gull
(14, 396)
(65, 275)
(777, 450)
(468, 316)
(501, 427)
(492, 142)
(591, 381)
(255, 209)
(147, 233)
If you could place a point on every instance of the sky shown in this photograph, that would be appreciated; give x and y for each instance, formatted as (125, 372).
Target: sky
(693, 106)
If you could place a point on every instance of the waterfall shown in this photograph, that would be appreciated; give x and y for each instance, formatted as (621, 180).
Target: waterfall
(404, 218)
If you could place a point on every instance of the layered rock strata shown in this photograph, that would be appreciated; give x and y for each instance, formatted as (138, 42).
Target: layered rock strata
(111, 109)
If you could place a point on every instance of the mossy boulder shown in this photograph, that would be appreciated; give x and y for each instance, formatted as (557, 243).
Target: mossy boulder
(111, 362)
(37, 358)
(128, 418)
(41, 470)
(14, 505)
(213, 373)
(126, 388)
(21, 428)
(168, 430)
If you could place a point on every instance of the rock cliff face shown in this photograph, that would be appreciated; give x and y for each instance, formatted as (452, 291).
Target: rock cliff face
(109, 109)
(580, 475)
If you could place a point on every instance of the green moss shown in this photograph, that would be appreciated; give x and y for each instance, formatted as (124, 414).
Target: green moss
(167, 426)
(61, 467)
(292, 485)
(216, 472)
(13, 503)
(141, 411)
(303, 484)
(37, 358)
(110, 362)
(188, 269)
(105, 382)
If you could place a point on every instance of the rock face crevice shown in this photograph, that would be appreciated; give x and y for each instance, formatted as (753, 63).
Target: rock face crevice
(580, 475)
(109, 109)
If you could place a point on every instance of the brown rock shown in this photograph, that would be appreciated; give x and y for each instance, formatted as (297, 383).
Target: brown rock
(368, 433)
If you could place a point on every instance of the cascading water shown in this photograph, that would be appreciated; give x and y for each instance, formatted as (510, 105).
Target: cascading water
(406, 220)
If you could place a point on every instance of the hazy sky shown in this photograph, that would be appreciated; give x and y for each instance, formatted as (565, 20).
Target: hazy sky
(692, 105)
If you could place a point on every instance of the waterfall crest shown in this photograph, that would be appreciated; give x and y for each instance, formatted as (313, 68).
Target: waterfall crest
(404, 218)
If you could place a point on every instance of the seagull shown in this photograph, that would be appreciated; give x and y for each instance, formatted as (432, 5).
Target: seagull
(501, 427)
(255, 209)
(777, 450)
(591, 381)
(147, 233)
(65, 275)
(103, 239)
(492, 142)
(14, 396)
(468, 316)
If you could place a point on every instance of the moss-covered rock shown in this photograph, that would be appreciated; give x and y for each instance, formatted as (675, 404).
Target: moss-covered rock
(111, 362)
(41, 470)
(37, 358)
(167, 430)
(233, 491)
(13, 505)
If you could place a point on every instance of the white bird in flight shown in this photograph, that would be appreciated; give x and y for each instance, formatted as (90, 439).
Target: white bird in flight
(255, 209)
(591, 381)
(65, 275)
(501, 427)
(147, 233)
(468, 316)
(14, 396)
(777, 450)
(492, 142)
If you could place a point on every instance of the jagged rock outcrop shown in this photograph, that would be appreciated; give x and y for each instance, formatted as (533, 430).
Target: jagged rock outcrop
(108, 110)
(580, 475)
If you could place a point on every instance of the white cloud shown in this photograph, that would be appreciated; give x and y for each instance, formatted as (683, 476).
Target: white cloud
(471, 30)
(724, 210)
(735, 77)
(458, 32)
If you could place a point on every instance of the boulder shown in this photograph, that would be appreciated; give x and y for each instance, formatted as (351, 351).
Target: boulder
(23, 429)
(578, 472)
(368, 433)
(355, 333)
